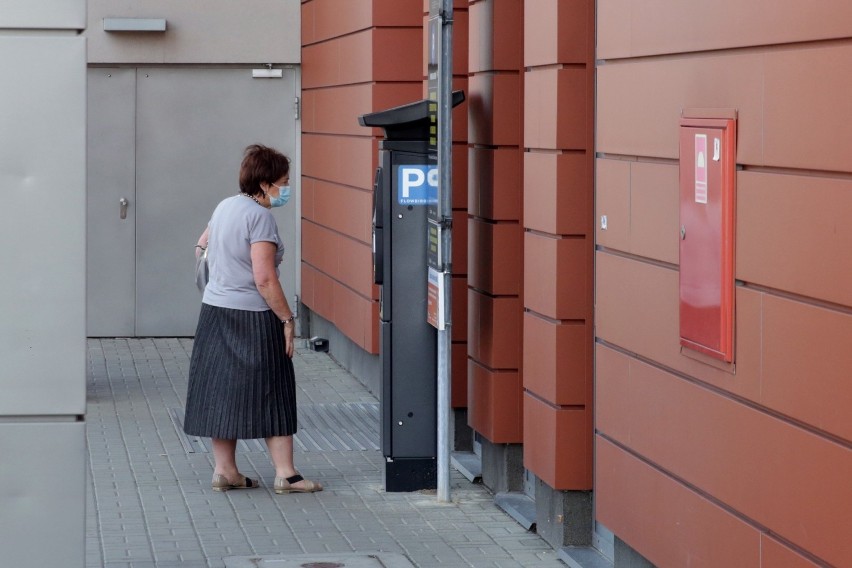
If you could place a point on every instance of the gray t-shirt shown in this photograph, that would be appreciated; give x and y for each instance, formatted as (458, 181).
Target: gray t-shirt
(237, 222)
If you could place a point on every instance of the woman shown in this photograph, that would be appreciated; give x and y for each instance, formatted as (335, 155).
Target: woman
(241, 378)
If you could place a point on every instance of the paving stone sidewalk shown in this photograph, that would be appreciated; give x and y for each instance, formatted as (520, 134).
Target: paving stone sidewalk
(150, 503)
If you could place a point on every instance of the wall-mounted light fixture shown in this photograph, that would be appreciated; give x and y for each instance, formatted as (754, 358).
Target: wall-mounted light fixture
(134, 24)
(267, 73)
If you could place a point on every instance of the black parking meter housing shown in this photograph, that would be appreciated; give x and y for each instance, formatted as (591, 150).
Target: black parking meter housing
(408, 345)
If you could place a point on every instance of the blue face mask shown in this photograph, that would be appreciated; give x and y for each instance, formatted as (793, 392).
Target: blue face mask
(283, 196)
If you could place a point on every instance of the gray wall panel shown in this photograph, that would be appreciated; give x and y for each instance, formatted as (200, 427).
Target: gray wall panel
(43, 14)
(42, 517)
(42, 225)
(199, 31)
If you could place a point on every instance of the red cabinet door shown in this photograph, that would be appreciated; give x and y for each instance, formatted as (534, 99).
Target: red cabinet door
(707, 195)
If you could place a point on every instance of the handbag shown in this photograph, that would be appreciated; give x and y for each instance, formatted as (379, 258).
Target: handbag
(202, 272)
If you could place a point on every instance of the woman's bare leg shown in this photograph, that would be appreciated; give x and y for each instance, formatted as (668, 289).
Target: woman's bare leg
(225, 457)
(281, 452)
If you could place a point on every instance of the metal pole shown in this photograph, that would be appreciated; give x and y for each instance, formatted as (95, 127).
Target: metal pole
(445, 169)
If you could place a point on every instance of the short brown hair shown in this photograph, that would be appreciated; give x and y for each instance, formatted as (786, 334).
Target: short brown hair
(261, 164)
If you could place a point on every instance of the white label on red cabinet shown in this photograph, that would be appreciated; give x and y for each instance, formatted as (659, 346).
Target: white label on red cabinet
(701, 168)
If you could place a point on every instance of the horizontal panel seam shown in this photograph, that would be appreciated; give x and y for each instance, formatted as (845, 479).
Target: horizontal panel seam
(640, 159)
(336, 232)
(637, 258)
(711, 498)
(343, 284)
(337, 133)
(316, 86)
(761, 49)
(371, 82)
(342, 135)
(553, 151)
(329, 39)
(557, 237)
(338, 184)
(556, 151)
(475, 146)
(739, 399)
(490, 295)
(556, 66)
(488, 221)
(553, 405)
(779, 170)
(793, 297)
(480, 72)
(741, 167)
(507, 370)
(554, 321)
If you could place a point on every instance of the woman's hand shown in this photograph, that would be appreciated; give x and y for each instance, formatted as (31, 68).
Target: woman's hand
(289, 338)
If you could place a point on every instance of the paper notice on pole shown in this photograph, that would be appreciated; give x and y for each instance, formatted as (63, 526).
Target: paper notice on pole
(701, 168)
(435, 299)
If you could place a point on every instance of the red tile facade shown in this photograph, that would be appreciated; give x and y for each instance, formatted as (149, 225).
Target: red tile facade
(495, 278)
(728, 452)
(558, 241)
(346, 73)
(572, 117)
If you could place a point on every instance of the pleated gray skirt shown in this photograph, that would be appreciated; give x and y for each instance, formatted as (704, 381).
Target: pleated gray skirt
(241, 382)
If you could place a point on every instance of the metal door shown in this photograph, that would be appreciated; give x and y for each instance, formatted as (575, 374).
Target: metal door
(111, 202)
(190, 128)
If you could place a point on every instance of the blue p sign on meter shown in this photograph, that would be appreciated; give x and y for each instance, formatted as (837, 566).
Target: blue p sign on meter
(417, 185)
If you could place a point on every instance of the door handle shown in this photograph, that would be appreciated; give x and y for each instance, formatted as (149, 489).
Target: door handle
(122, 211)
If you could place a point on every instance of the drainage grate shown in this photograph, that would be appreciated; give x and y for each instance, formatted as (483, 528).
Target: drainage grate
(350, 426)
(345, 560)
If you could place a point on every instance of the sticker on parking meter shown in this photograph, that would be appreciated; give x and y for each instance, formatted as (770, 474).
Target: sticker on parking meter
(417, 185)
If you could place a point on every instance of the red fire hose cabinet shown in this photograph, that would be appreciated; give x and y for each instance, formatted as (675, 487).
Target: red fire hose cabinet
(707, 205)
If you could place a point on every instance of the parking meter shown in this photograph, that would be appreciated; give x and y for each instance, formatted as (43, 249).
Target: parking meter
(406, 183)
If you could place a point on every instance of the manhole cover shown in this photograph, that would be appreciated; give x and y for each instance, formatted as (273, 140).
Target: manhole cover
(345, 560)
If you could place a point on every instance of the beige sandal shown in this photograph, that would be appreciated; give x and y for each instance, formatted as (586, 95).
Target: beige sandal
(221, 483)
(285, 485)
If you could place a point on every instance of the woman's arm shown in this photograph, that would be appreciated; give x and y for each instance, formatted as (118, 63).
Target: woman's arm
(202, 241)
(263, 269)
